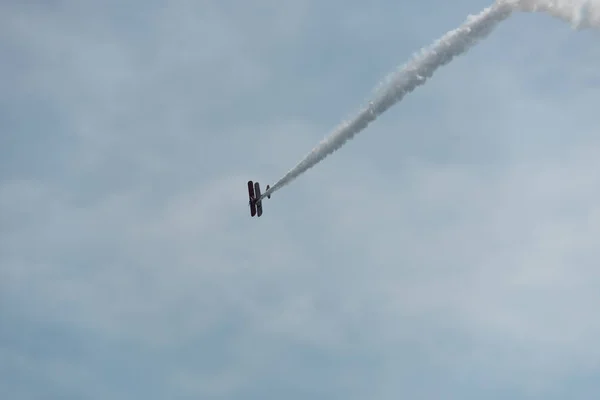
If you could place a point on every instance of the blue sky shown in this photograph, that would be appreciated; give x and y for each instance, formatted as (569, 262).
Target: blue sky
(449, 251)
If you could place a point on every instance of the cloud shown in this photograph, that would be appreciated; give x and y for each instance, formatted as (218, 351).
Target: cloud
(449, 251)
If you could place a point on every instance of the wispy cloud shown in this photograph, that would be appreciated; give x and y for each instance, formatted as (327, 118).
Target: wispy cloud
(453, 256)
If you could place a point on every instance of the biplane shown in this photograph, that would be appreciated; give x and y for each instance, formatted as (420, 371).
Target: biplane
(256, 208)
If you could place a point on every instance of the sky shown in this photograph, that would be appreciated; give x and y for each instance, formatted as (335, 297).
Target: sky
(448, 251)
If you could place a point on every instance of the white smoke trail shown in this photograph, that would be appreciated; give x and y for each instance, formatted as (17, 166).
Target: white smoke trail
(412, 75)
(580, 13)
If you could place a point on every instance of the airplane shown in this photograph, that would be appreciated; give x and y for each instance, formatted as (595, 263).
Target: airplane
(255, 198)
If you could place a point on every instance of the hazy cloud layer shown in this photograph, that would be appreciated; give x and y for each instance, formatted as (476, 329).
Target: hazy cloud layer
(450, 251)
